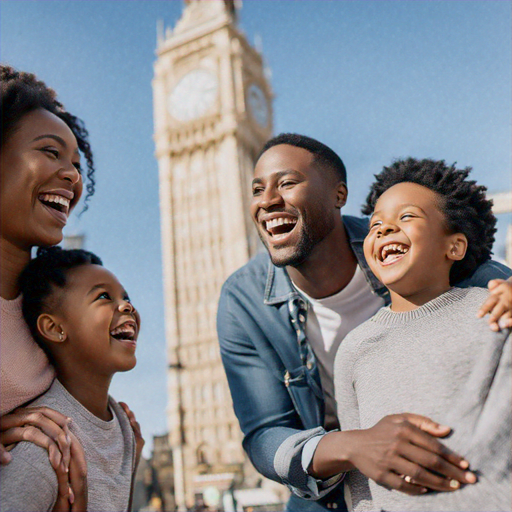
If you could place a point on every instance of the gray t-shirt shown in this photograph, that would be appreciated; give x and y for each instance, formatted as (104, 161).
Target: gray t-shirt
(28, 483)
(444, 363)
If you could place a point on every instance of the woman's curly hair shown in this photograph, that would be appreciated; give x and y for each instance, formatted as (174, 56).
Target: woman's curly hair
(22, 93)
(464, 204)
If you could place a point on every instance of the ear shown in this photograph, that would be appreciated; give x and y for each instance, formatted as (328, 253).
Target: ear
(341, 195)
(457, 247)
(50, 329)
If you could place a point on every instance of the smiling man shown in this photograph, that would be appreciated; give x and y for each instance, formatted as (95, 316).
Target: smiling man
(281, 319)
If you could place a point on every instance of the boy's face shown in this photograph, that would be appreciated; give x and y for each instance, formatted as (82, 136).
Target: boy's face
(408, 247)
(99, 321)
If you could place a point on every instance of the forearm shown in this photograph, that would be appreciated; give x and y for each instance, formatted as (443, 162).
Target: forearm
(333, 454)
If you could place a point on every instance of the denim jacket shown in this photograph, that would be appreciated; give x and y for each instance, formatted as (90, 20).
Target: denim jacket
(271, 369)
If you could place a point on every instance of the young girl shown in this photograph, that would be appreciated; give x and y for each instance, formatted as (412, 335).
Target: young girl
(428, 352)
(83, 319)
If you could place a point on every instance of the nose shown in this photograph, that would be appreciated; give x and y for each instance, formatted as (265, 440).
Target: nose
(126, 307)
(269, 197)
(70, 173)
(386, 228)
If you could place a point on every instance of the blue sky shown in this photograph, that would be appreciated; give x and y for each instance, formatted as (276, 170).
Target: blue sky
(373, 79)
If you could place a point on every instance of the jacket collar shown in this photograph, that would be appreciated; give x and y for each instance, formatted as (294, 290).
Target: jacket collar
(279, 287)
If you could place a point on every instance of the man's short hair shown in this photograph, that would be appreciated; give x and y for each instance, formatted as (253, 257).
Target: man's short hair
(464, 204)
(322, 154)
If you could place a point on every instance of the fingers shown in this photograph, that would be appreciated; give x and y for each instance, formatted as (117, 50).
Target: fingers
(66, 449)
(505, 321)
(496, 318)
(5, 456)
(488, 305)
(137, 432)
(44, 433)
(133, 422)
(403, 484)
(431, 470)
(427, 425)
(456, 464)
(498, 305)
(34, 435)
(77, 477)
(36, 416)
(491, 285)
(62, 503)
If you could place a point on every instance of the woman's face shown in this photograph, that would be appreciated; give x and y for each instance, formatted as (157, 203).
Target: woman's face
(40, 180)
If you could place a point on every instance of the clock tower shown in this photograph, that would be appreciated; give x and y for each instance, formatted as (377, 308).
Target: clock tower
(212, 115)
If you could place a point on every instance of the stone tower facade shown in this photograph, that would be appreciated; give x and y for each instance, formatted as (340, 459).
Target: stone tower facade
(212, 115)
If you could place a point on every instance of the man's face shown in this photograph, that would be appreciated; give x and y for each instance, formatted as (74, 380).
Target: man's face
(294, 203)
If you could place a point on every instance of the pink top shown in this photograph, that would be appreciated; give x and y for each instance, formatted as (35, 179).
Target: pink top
(25, 371)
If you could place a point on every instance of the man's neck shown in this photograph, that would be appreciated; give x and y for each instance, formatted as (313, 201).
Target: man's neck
(13, 261)
(328, 269)
(90, 390)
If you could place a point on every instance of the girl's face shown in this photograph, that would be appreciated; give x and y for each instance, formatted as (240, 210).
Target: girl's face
(99, 321)
(40, 180)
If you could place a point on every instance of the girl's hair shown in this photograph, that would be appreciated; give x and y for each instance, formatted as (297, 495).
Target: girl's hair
(465, 207)
(42, 276)
(22, 93)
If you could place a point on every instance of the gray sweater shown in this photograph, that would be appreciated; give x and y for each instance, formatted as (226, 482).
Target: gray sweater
(442, 362)
(28, 483)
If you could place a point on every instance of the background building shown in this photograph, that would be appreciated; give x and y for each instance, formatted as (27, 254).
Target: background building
(213, 113)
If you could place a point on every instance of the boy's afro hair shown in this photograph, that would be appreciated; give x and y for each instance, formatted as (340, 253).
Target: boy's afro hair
(464, 205)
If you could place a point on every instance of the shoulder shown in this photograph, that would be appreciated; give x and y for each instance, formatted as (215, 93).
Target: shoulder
(357, 227)
(254, 271)
(247, 284)
(484, 273)
(351, 345)
(467, 303)
(30, 469)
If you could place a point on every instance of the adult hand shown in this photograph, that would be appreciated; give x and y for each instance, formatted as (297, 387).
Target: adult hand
(498, 304)
(42, 426)
(400, 452)
(49, 429)
(139, 440)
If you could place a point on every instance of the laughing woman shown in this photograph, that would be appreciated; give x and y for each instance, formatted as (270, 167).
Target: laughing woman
(40, 183)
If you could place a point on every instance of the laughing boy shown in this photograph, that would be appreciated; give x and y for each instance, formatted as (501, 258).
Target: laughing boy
(428, 352)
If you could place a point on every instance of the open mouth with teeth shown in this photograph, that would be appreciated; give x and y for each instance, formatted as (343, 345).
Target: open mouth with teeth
(56, 202)
(126, 332)
(280, 226)
(391, 253)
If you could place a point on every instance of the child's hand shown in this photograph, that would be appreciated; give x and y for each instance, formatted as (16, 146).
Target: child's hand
(499, 304)
(139, 440)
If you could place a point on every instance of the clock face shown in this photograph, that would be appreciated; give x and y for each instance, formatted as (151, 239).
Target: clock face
(194, 94)
(258, 104)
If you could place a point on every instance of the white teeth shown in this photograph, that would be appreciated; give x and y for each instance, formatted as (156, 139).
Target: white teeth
(123, 329)
(393, 247)
(54, 198)
(279, 221)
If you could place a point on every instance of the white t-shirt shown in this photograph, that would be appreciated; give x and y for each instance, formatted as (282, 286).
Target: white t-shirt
(329, 320)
